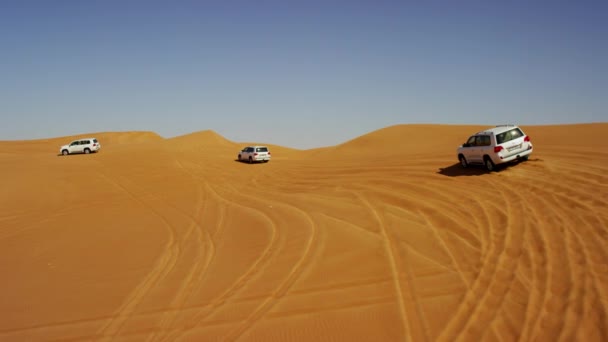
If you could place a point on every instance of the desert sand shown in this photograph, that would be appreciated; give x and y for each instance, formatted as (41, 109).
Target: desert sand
(381, 238)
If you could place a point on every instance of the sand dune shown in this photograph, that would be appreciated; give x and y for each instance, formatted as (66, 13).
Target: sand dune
(382, 238)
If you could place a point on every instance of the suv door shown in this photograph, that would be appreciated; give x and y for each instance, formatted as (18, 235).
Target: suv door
(74, 145)
(85, 144)
(484, 146)
(470, 150)
(245, 153)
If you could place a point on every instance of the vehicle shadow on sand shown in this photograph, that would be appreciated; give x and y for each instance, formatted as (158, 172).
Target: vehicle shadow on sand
(457, 170)
(75, 154)
(247, 162)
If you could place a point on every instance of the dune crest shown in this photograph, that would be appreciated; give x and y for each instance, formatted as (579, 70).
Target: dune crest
(206, 137)
(106, 138)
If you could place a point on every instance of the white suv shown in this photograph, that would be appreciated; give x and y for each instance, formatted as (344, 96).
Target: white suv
(498, 145)
(254, 154)
(86, 145)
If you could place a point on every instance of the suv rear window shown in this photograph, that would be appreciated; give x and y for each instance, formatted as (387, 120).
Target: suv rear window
(508, 136)
(95, 141)
(261, 149)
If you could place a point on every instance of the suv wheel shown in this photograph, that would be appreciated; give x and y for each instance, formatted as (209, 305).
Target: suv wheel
(250, 160)
(489, 164)
(463, 161)
(87, 151)
(238, 157)
(65, 152)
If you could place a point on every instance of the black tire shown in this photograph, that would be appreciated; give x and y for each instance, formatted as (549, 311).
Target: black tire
(250, 160)
(489, 164)
(65, 152)
(524, 158)
(463, 161)
(87, 151)
(265, 161)
(239, 158)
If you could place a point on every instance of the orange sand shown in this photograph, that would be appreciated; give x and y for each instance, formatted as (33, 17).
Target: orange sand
(382, 238)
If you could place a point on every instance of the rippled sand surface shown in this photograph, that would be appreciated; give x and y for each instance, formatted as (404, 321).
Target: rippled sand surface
(382, 238)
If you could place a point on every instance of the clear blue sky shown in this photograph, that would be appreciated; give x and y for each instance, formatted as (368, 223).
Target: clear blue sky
(297, 73)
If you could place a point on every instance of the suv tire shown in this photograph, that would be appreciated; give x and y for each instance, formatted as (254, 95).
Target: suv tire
(463, 161)
(87, 151)
(250, 160)
(65, 152)
(489, 164)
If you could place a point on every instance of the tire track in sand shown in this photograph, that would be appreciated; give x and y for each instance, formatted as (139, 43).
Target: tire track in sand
(163, 266)
(439, 208)
(175, 331)
(414, 324)
(197, 271)
(535, 257)
(285, 285)
(486, 285)
(578, 231)
(260, 263)
(501, 281)
(167, 331)
(220, 300)
(561, 284)
(331, 307)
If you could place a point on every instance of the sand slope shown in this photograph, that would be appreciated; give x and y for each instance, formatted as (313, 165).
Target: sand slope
(382, 238)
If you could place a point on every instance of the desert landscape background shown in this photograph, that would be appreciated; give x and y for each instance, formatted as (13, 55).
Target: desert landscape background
(381, 238)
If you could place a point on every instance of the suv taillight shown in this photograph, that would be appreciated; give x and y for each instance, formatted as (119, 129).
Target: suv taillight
(255, 154)
(268, 153)
(497, 149)
(527, 139)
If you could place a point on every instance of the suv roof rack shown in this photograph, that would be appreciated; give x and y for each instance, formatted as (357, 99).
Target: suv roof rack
(507, 125)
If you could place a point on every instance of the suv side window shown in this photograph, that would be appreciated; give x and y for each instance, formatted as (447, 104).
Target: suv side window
(483, 140)
(84, 142)
(471, 141)
(250, 149)
(75, 143)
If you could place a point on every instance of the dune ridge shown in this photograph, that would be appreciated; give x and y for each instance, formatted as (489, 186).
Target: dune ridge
(382, 238)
